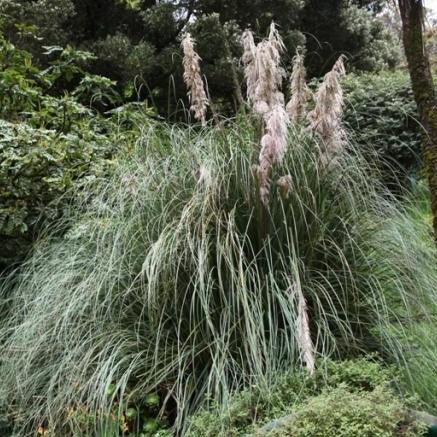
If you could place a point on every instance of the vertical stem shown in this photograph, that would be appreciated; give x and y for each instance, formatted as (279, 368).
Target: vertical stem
(423, 89)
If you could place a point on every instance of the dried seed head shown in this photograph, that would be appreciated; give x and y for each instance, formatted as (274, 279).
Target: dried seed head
(262, 70)
(193, 79)
(264, 78)
(325, 119)
(277, 128)
(273, 148)
(296, 107)
(276, 44)
(269, 73)
(303, 334)
(266, 160)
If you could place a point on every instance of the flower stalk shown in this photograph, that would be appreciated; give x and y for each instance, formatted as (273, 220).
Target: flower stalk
(193, 79)
(325, 119)
(296, 107)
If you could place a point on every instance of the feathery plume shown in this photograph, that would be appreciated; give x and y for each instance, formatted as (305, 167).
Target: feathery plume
(262, 70)
(193, 79)
(269, 73)
(297, 105)
(303, 334)
(264, 78)
(276, 43)
(325, 119)
(273, 148)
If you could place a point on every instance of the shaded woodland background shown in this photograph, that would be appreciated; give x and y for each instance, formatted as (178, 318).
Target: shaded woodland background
(136, 43)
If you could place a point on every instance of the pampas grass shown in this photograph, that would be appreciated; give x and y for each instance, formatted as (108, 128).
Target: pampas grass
(193, 79)
(175, 278)
(172, 280)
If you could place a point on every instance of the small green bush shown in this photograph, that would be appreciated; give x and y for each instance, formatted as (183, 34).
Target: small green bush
(38, 167)
(341, 413)
(50, 145)
(286, 394)
(351, 397)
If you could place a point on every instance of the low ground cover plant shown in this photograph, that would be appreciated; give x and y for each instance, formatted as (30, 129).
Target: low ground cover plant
(352, 397)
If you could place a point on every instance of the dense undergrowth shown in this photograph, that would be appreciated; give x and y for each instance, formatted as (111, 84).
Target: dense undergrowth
(382, 119)
(59, 130)
(352, 397)
(174, 279)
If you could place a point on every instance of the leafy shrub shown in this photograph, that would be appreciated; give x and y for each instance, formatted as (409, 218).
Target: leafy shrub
(368, 44)
(372, 47)
(338, 412)
(175, 279)
(38, 167)
(48, 144)
(19, 84)
(48, 19)
(346, 398)
(382, 118)
(121, 59)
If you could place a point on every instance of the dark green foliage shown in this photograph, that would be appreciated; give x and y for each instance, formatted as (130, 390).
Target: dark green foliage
(337, 27)
(122, 60)
(38, 167)
(381, 116)
(33, 24)
(50, 144)
(256, 14)
(136, 42)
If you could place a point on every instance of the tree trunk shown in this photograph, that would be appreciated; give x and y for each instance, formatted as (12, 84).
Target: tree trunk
(423, 89)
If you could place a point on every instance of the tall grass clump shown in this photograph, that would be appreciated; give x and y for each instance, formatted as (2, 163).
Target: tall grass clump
(178, 279)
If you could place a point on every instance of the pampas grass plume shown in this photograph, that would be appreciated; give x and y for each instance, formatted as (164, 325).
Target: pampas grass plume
(193, 79)
(273, 148)
(269, 73)
(249, 63)
(264, 78)
(303, 334)
(325, 119)
(296, 107)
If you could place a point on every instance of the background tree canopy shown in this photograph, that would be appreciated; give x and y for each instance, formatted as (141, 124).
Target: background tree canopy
(136, 42)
